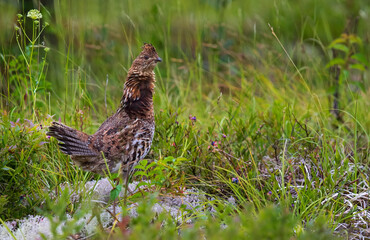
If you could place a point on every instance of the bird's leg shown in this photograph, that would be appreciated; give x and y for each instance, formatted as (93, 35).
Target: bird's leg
(126, 178)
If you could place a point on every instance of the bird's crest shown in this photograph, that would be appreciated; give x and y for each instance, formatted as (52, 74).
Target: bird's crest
(149, 48)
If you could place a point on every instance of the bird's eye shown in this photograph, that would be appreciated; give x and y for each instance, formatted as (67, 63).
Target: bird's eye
(146, 57)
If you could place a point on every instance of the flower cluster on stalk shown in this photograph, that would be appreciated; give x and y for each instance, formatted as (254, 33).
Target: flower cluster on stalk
(34, 14)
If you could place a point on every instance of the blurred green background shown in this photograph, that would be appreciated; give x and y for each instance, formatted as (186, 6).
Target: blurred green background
(208, 47)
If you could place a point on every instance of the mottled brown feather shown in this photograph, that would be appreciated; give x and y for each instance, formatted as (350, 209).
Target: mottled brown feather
(125, 137)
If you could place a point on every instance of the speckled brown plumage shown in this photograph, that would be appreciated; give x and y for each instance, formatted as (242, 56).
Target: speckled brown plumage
(124, 138)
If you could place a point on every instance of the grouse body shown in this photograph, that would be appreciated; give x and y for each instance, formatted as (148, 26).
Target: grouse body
(125, 137)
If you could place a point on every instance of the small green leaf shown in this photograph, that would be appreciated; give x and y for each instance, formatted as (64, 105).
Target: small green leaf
(181, 159)
(169, 159)
(341, 47)
(361, 58)
(115, 192)
(140, 173)
(336, 41)
(152, 164)
(114, 175)
(143, 162)
(335, 61)
(139, 166)
(355, 39)
(357, 66)
(150, 174)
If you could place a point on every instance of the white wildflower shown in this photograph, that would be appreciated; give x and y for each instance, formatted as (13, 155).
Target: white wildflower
(34, 14)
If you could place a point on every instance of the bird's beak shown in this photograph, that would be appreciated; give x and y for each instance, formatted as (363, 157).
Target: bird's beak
(158, 59)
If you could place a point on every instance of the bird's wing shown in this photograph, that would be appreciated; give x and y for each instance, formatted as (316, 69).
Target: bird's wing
(123, 140)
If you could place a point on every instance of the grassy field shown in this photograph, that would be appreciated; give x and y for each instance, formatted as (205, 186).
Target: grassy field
(263, 101)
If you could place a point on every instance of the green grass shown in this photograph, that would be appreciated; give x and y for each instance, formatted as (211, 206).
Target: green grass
(263, 103)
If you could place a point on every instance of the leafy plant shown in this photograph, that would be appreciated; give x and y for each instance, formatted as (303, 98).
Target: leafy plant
(270, 223)
(348, 64)
(62, 225)
(23, 154)
(160, 173)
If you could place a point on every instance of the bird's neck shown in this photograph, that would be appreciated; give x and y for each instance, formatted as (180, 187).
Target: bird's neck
(137, 99)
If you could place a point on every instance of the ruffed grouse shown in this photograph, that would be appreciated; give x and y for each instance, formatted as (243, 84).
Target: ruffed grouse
(124, 138)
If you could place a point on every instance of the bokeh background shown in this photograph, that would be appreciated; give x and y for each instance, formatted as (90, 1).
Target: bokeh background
(209, 47)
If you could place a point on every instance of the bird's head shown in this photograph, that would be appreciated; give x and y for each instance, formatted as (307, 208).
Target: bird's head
(147, 60)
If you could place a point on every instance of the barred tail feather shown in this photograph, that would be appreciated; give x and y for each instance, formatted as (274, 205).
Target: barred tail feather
(71, 141)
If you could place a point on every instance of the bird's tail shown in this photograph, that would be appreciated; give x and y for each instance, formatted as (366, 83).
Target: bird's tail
(71, 141)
